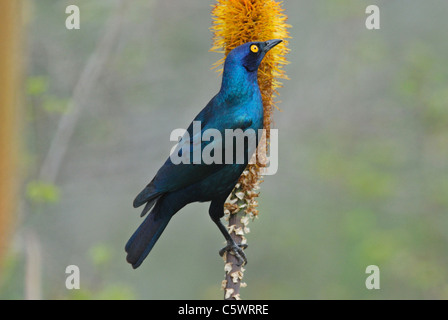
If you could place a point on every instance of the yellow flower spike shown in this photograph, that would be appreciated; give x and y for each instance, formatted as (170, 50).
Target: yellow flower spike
(236, 22)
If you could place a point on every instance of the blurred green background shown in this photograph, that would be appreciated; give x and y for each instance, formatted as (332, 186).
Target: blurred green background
(363, 163)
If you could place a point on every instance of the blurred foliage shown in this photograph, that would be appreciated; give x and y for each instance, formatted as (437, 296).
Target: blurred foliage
(42, 192)
(100, 256)
(36, 85)
(363, 172)
(109, 292)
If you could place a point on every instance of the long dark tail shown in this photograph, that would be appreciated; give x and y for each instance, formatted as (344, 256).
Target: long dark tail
(149, 195)
(146, 236)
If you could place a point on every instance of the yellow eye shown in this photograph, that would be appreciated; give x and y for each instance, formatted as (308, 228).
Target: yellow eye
(254, 48)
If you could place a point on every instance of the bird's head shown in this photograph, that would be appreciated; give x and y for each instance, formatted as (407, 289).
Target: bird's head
(250, 55)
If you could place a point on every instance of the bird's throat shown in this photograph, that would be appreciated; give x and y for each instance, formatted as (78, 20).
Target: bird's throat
(239, 85)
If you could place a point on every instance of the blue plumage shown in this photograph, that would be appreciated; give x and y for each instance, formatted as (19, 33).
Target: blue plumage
(238, 105)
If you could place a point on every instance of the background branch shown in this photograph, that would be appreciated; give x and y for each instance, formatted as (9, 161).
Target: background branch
(81, 95)
(51, 165)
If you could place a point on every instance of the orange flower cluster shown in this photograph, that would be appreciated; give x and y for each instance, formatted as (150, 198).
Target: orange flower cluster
(236, 22)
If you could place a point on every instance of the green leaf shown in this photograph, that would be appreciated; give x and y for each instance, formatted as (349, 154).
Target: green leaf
(100, 254)
(36, 85)
(53, 104)
(42, 192)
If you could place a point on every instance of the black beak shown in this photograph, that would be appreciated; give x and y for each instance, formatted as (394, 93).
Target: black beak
(268, 45)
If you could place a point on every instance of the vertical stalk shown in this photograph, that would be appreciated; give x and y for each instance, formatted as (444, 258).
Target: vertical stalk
(10, 17)
(236, 22)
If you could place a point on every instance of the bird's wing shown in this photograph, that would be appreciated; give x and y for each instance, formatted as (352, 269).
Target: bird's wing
(173, 176)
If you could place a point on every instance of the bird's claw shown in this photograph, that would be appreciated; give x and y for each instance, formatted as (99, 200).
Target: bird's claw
(236, 250)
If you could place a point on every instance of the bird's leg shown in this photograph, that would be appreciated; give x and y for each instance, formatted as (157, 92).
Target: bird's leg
(216, 212)
(231, 247)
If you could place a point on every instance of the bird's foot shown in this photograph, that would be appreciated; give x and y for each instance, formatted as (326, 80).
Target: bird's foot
(236, 250)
